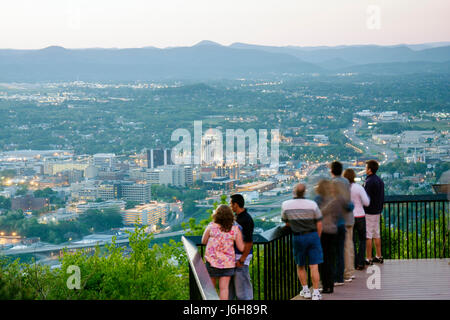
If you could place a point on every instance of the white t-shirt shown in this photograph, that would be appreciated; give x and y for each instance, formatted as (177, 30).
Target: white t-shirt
(359, 198)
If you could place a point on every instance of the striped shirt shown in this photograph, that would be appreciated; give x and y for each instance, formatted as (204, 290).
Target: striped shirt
(301, 214)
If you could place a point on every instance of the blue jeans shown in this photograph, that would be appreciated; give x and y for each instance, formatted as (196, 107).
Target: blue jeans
(240, 285)
(340, 265)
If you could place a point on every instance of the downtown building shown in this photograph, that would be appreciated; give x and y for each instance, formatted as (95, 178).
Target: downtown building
(113, 190)
(158, 157)
(147, 214)
(104, 161)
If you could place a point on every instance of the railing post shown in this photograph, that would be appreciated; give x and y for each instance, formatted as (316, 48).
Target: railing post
(194, 292)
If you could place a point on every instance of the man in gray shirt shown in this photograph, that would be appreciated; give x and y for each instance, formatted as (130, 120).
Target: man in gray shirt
(304, 218)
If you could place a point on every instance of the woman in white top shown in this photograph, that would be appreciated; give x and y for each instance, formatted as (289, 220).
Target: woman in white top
(359, 198)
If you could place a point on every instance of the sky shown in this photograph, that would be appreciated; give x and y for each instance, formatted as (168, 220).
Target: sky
(34, 24)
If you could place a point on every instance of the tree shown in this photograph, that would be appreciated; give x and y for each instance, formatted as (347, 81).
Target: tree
(5, 203)
(22, 191)
(146, 273)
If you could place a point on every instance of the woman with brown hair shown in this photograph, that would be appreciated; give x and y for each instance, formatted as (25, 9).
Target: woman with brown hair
(329, 204)
(220, 236)
(359, 198)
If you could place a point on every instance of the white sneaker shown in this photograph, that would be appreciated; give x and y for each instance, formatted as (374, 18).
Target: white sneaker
(316, 296)
(353, 277)
(305, 294)
(348, 280)
(337, 284)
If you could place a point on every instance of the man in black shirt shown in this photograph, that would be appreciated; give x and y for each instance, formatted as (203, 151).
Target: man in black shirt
(240, 285)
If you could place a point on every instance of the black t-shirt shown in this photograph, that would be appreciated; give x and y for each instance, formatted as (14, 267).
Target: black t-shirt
(246, 222)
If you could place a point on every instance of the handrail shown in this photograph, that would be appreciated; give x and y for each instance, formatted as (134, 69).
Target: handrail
(411, 226)
(418, 197)
(199, 271)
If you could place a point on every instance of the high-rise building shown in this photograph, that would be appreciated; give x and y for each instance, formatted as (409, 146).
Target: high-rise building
(158, 157)
(210, 152)
(188, 175)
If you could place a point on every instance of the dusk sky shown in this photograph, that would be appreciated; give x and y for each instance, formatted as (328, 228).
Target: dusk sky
(31, 24)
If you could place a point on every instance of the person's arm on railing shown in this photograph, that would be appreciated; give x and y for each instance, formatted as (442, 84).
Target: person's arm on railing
(205, 236)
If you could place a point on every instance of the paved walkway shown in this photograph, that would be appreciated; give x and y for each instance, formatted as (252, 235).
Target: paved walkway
(421, 279)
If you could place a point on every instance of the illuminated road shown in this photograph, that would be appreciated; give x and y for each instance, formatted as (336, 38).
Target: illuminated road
(368, 147)
(49, 248)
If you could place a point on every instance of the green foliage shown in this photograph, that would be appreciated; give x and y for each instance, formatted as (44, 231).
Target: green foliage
(5, 203)
(422, 236)
(159, 272)
(101, 220)
(22, 191)
(50, 194)
(131, 204)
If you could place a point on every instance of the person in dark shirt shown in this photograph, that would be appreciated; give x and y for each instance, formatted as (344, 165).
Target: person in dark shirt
(240, 284)
(374, 187)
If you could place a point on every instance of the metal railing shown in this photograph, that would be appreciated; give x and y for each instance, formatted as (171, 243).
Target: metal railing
(412, 227)
(415, 227)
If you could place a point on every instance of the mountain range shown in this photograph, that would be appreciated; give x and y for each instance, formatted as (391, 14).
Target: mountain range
(210, 60)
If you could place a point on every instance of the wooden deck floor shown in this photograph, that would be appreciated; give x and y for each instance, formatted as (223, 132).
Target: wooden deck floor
(400, 280)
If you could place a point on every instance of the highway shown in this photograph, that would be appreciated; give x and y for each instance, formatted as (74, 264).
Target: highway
(368, 147)
(49, 248)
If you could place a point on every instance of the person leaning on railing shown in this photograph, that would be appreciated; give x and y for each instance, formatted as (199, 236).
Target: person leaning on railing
(220, 236)
(304, 218)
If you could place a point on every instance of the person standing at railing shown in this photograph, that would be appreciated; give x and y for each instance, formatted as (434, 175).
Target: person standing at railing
(328, 202)
(345, 253)
(240, 284)
(220, 236)
(374, 187)
(304, 218)
(359, 199)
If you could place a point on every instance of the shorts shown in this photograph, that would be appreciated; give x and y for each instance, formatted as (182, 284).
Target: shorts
(307, 246)
(219, 272)
(373, 226)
